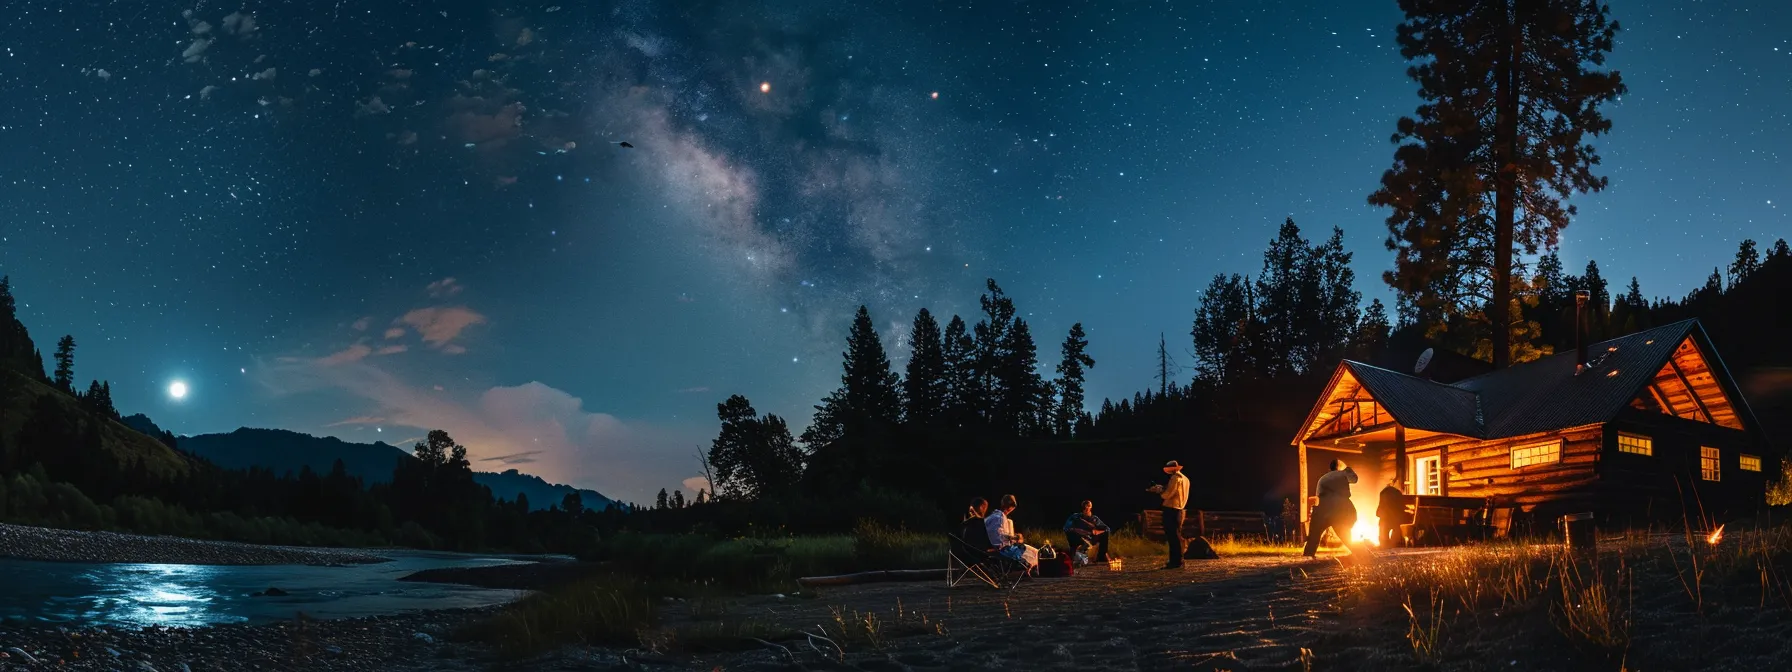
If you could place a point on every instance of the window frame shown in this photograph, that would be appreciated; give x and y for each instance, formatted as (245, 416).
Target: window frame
(1743, 459)
(1711, 466)
(1647, 445)
(1419, 474)
(1553, 447)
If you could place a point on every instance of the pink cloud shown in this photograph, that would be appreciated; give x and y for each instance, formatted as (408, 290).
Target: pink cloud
(577, 446)
(453, 349)
(695, 483)
(361, 324)
(392, 349)
(438, 326)
(444, 288)
(354, 353)
(394, 332)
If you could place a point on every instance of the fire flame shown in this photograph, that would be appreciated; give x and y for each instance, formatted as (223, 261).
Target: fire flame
(1717, 535)
(1367, 527)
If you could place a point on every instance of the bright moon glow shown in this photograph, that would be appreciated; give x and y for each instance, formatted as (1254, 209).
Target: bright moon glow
(177, 390)
(765, 87)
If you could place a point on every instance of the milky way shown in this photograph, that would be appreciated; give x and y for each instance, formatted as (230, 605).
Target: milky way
(372, 219)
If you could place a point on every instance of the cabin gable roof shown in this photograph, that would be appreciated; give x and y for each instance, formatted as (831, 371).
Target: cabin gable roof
(1547, 394)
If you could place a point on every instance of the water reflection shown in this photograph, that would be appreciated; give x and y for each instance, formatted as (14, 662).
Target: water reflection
(165, 594)
(190, 595)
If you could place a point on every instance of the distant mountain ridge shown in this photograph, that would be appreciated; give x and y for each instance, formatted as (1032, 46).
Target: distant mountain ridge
(283, 451)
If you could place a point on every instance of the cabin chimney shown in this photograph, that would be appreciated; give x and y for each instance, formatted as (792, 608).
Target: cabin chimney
(1580, 337)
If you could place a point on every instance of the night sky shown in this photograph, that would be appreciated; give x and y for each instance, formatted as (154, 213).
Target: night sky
(368, 219)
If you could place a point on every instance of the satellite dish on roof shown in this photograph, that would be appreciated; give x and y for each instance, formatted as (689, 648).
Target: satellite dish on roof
(1424, 360)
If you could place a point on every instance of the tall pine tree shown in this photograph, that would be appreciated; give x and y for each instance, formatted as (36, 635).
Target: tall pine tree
(1075, 361)
(870, 395)
(925, 388)
(992, 341)
(65, 364)
(959, 353)
(1512, 91)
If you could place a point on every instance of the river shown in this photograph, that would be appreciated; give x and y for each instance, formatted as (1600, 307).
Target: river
(188, 595)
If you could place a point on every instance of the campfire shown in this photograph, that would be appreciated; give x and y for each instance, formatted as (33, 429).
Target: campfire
(1716, 536)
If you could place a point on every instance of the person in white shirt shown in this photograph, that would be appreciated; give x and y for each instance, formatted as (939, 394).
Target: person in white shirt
(1335, 510)
(1010, 544)
(1175, 498)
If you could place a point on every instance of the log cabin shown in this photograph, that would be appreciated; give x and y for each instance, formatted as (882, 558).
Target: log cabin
(1650, 427)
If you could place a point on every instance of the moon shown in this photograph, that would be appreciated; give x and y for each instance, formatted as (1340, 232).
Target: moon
(177, 389)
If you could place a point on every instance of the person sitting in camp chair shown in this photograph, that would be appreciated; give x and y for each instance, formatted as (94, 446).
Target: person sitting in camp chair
(1008, 543)
(1084, 528)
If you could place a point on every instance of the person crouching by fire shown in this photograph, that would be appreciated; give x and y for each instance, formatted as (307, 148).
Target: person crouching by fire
(1335, 510)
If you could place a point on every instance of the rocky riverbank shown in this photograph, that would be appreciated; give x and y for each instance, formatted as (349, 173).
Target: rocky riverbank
(421, 641)
(42, 543)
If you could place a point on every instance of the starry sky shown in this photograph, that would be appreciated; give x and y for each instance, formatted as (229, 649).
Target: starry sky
(369, 219)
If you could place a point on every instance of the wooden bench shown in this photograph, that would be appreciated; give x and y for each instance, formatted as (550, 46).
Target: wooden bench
(1443, 520)
(1198, 523)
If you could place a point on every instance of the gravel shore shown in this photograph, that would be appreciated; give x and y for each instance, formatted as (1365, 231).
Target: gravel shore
(42, 543)
(421, 641)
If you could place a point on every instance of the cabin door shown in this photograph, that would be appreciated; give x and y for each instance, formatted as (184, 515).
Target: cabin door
(1427, 476)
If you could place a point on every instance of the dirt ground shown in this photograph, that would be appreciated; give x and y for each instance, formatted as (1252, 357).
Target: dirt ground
(1242, 613)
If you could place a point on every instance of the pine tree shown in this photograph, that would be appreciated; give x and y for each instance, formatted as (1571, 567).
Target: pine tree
(991, 338)
(1022, 391)
(1286, 298)
(1336, 313)
(1512, 89)
(960, 354)
(1372, 331)
(829, 423)
(1747, 262)
(677, 499)
(1780, 251)
(1166, 366)
(925, 388)
(1070, 379)
(663, 501)
(1222, 329)
(65, 364)
(870, 398)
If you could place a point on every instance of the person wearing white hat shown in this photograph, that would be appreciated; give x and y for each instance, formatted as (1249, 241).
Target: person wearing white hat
(1175, 498)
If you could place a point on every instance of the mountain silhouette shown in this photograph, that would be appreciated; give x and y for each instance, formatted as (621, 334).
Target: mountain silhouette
(284, 451)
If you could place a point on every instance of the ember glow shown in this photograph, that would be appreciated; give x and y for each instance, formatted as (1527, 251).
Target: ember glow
(1717, 535)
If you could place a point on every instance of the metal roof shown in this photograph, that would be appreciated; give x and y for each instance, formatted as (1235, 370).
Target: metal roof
(1536, 396)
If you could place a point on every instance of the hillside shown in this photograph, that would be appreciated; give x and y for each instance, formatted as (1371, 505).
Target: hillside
(286, 451)
(121, 444)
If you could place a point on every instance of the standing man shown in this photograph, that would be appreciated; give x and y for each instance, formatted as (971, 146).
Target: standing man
(1335, 510)
(1391, 512)
(1175, 497)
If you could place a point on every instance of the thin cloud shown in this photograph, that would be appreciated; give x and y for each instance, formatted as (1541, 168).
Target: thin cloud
(525, 457)
(443, 288)
(438, 326)
(354, 353)
(361, 324)
(392, 349)
(394, 332)
(693, 390)
(358, 420)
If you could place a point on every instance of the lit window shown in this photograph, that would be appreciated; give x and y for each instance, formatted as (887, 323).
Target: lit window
(1636, 443)
(1544, 453)
(1709, 465)
(1429, 476)
(1751, 463)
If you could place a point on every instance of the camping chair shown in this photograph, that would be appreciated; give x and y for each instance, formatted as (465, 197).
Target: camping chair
(966, 561)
